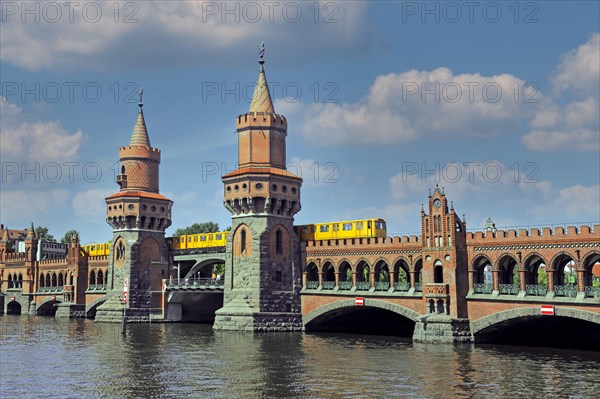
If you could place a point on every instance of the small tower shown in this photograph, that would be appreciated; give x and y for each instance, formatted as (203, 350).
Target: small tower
(139, 215)
(445, 271)
(263, 266)
(31, 244)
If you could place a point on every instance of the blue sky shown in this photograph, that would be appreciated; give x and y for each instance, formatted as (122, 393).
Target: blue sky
(496, 101)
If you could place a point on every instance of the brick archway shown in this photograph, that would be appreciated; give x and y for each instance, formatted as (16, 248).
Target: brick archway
(495, 319)
(41, 308)
(93, 306)
(350, 303)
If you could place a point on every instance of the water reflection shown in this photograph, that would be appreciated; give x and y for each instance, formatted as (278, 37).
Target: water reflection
(44, 357)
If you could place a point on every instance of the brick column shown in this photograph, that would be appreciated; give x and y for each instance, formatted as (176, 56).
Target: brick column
(372, 278)
(580, 279)
(550, 274)
(495, 276)
(353, 278)
(320, 279)
(304, 279)
(392, 274)
(521, 280)
(411, 278)
(337, 278)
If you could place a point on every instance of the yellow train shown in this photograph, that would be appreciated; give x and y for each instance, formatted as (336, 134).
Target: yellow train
(362, 228)
(97, 249)
(205, 240)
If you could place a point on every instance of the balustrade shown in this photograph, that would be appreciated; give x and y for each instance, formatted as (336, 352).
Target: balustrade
(328, 285)
(401, 286)
(382, 286)
(592, 292)
(536, 290)
(508, 289)
(565, 290)
(363, 285)
(312, 285)
(345, 285)
(483, 288)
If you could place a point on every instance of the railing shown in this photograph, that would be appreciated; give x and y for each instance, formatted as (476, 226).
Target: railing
(418, 287)
(50, 289)
(382, 286)
(195, 282)
(363, 285)
(592, 292)
(483, 288)
(565, 290)
(401, 286)
(536, 290)
(508, 289)
(312, 285)
(345, 285)
(328, 285)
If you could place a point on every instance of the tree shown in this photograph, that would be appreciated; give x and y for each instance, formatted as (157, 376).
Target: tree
(198, 228)
(41, 233)
(67, 238)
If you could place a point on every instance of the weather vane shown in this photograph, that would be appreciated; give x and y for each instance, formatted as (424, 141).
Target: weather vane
(261, 52)
(141, 94)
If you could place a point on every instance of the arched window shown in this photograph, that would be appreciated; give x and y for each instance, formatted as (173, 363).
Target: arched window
(48, 283)
(279, 242)
(54, 280)
(92, 278)
(243, 241)
(122, 169)
(71, 279)
(438, 274)
(100, 278)
(20, 281)
(10, 281)
(42, 281)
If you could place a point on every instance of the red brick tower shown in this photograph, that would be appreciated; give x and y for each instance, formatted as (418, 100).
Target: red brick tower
(263, 266)
(445, 272)
(139, 257)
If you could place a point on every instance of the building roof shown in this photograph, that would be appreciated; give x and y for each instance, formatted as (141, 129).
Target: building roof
(261, 100)
(138, 194)
(140, 133)
(267, 170)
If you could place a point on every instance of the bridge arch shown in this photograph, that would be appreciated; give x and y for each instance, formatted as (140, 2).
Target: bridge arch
(344, 268)
(532, 264)
(560, 264)
(46, 306)
(199, 267)
(328, 270)
(14, 306)
(90, 309)
(508, 324)
(363, 270)
(331, 317)
(481, 267)
(508, 269)
(587, 264)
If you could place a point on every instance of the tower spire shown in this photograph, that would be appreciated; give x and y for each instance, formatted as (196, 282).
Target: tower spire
(261, 99)
(140, 133)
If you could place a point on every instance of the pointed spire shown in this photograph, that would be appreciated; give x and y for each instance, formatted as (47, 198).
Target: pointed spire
(261, 100)
(140, 134)
(5, 236)
(31, 233)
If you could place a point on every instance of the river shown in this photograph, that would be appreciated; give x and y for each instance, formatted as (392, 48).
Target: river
(43, 357)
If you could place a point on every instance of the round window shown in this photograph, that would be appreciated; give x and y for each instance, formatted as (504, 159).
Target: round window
(130, 206)
(274, 187)
(259, 186)
(153, 208)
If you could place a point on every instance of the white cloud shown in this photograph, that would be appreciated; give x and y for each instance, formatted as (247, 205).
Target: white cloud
(579, 69)
(314, 174)
(419, 104)
(90, 205)
(36, 141)
(163, 33)
(577, 204)
(19, 205)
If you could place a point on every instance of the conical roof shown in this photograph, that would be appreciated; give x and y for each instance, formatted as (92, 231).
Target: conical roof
(140, 133)
(261, 100)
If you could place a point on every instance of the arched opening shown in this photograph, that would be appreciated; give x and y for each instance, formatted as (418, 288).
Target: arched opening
(48, 282)
(13, 307)
(20, 281)
(508, 276)
(438, 273)
(61, 281)
(345, 273)
(100, 278)
(312, 276)
(10, 281)
(243, 241)
(440, 306)
(42, 281)
(382, 276)
(47, 308)
(54, 280)
(328, 276)
(482, 275)
(401, 276)
(90, 311)
(565, 276)
(362, 320)
(122, 169)
(591, 281)
(431, 306)
(418, 283)
(93, 279)
(278, 242)
(71, 279)
(547, 331)
(536, 279)
(363, 276)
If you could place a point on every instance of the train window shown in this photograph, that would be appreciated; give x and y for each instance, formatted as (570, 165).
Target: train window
(336, 227)
(347, 226)
(190, 239)
(210, 236)
(324, 228)
(182, 240)
(369, 224)
(359, 225)
(219, 236)
(202, 238)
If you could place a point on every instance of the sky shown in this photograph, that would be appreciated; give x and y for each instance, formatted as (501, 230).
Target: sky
(497, 102)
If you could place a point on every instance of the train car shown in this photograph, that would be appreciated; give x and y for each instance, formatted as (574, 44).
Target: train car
(204, 240)
(362, 228)
(97, 249)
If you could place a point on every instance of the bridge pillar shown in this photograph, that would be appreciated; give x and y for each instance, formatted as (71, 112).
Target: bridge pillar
(436, 328)
(550, 274)
(337, 278)
(521, 279)
(495, 277)
(354, 278)
(320, 278)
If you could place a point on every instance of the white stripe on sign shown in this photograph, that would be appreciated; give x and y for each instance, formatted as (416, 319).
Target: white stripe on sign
(547, 310)
(359, 301)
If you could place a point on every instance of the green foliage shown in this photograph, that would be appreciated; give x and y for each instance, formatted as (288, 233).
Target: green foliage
(219, 269)
(67, 237)
(542, 277)
(41, 233)
(198, 228)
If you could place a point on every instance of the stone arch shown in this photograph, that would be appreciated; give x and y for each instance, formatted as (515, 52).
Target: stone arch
(42, 280)
(350, 303)
(438, 272)
(417, 269)
(90, 309)
(328, 270)
(242, 241)
(14, 306)
(200, 267)
(325, 261)
(382, 270)
(558, 264)
(345, 270)
(312, 272)
(92, 278)
(531, 265)
(495, 319)
(401, 268)
(587, 264)
(46, 306)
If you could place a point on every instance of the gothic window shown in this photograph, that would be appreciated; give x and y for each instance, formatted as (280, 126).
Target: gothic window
(438, 273)
(279, 242)
(243, 241)
(123, 169)
(120, 251)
